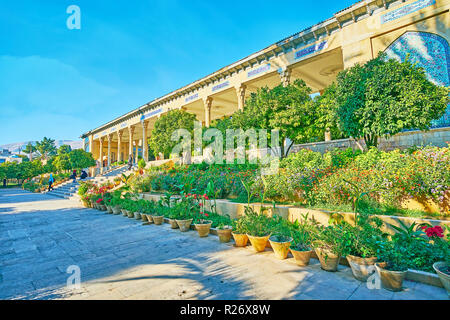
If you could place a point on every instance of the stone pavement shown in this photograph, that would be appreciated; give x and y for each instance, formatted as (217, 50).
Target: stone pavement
(119, 258)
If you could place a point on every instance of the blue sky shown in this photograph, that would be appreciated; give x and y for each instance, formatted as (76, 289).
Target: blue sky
(59, 83)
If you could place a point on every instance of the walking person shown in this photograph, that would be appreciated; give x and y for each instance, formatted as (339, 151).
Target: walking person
(74, 176)
(51, 180)
(130, 161)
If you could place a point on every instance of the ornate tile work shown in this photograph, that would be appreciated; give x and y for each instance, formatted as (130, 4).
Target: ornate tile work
(429, 51)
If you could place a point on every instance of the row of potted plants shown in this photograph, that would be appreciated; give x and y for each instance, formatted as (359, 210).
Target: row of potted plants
(364, 245)
(180, 213)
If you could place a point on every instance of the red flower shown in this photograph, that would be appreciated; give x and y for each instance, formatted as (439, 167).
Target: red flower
(434, 231)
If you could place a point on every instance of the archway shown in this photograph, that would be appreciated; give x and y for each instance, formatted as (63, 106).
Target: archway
(429, 51)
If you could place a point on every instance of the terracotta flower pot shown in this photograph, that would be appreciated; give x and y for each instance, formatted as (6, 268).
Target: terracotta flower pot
(137, 215)
(173, 223)
(149, 218)
(144, 217)
(240, 239)
(328, 260)
(258, 243)
(301, 258)
(203, 228)
(158, 220)
(130, 214)
(361, 266)
(102, 207)
(281, 249)
(109, 209)
(445, 277)
(390, 280)
(224, 235)
(116, 210)
(184, 225)
(124, 212)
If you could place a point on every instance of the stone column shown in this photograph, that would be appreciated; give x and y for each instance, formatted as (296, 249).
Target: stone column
(130, 142)
(119, 145)
(240, 92)
(144, 141)
(137, 151)
(91, 144)
(208, 104)
(109, 137)
(285, 75)
(101, 153)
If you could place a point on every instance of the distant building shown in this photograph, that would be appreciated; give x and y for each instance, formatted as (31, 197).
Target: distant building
(5, 153)
(10, 158)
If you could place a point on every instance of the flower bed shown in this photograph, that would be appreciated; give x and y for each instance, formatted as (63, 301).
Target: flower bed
(410, 183)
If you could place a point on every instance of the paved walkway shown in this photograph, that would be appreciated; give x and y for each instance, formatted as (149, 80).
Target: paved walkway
(119, 258)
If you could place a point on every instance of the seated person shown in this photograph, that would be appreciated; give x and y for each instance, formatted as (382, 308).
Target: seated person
(83, 175)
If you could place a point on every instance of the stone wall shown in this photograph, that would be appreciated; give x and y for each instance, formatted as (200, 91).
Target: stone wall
(436, 137)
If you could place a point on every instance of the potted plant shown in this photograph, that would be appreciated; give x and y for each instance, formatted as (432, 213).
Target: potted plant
(328, 247)
(101, 204)
(362, 244)
(172, 216)
(115, 204)
(393, 268)
(158, 216)
(301, 234)
(435, 234)
(224, 232)
(131, 209)
(203, 226)
(126, 206)
(258, 229)
(186, 208)
(106, 201)
(280, 244)
(239, 232)
(442, 269)
(139, 209)
(148, 208)
(301, 249)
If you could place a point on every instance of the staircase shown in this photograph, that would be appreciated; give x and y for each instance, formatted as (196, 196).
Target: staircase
(69, 189)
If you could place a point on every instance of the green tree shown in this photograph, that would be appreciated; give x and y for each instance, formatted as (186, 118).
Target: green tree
(64, 149)
(62, 162)
(49, 166)
(46, 148)
(384, 97)
(287, 109)
(80, 159)
(326, 107)
(29, 149)
(11, 170)
(160, 140)
(2, 173)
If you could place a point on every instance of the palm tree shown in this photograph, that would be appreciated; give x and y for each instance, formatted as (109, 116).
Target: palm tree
(29, 149)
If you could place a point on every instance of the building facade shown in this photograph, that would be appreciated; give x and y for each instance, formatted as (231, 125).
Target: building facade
(418, 29)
